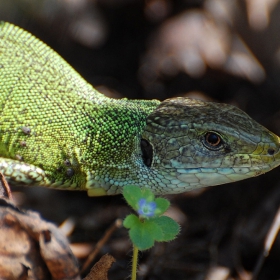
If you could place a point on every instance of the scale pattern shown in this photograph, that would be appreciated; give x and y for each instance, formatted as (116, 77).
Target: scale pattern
(53, 120)
(57, 131)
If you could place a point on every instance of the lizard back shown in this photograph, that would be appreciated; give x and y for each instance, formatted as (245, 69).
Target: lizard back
(53, 120)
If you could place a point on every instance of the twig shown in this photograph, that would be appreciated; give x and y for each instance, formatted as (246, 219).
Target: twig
(269, 240)
(117, 224)
(5, 188)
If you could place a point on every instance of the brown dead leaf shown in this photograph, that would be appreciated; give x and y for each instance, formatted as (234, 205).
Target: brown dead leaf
(100, 270)
(259, 13)
(31, 248)
(218, 273)
(194, 41)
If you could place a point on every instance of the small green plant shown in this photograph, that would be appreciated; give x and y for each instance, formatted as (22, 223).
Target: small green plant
(149, 225)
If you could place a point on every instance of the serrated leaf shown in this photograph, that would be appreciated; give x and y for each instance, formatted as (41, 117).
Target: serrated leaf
(144, 234)
(131, 221)
(162, 205)
(169, 228)
(141, 239)
(153, 229)
(132, 195)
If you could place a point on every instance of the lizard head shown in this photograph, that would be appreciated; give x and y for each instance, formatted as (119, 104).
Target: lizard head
(189, 144)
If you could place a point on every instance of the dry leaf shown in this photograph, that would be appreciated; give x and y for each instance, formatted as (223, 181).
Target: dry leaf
(31, 248)
(100, 270)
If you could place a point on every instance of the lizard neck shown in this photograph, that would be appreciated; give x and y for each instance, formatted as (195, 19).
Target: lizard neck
(107, 153)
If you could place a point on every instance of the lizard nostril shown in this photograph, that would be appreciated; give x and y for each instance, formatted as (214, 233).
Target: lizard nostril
(271, 151)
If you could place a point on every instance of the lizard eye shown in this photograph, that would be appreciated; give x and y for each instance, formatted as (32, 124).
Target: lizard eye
(147, 152)
(212, 140)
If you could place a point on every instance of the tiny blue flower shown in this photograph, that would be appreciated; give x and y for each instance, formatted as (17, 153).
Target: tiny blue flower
(146, 208)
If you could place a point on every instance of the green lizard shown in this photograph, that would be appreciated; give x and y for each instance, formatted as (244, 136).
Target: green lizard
(57, 131)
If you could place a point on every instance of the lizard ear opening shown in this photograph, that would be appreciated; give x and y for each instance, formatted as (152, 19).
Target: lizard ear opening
(147, 152)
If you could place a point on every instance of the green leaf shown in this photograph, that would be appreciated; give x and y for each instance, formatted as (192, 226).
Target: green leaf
(132, 195)
(162, 206)
(147, 194)
(153, 228)
(141, 239)
(131, 221)
(144, 231)
(169, 228)
(145, 234)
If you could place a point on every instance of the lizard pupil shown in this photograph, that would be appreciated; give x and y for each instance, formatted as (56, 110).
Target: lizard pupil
(147, 152)
(213, 139)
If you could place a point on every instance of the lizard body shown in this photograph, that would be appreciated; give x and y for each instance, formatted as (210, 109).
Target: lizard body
(57, 131)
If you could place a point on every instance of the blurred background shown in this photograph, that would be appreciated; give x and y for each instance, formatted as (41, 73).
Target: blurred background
(217, 50)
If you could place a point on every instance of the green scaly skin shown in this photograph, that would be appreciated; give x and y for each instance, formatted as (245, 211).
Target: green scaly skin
(57, 131)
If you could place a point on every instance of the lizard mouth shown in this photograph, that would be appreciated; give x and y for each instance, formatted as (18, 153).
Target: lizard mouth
(272, 156)
(204, 177)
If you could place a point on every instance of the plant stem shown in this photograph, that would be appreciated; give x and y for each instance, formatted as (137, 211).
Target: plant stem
(134, 262)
